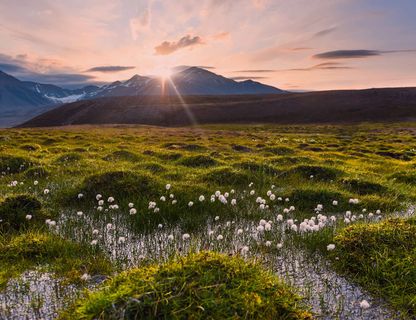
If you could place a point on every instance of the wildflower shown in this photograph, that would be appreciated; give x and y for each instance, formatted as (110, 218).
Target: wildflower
(262, 222)
(79, 213)
(160, 226)
(319, 207)
(239, 231)
(110, 199)
(163, 198)
(213, 199)
(95, 232)
(28, 217)
(378, 212)
(233, 202)
(94, 242)
(272, 197)
(364, 210)
(311, 176)
(168, 186)
(285, 210)
(156, 210)
(85, 277)
(99, 208)
(348, 214)
(279, 217)
(273, 186)
(121, 239)
(364, 304)
(251, 184)
(260, 228)
(252, 192)
(101, 202)
(133, 211)
(279, 245)
(170, 237)
(217, 218)
(201, 198)
(294, 227)
(141, 257)
(98, 197)
(46, 191)
(80, 195)
(330, 247)
(47, 221)
(109, 226)
(190, 204)
(185, 236)
(52, 223)
(226, 194)
(335, 203)
(220, 237)
(232, 191)
(171, 196)
(290, 222)
(269, 193)
(131, 205)
(333, 218)
(174, 201)
(287, 200)
(292, 208)
(35, 182)
(244, 250)
(222, 199)
(262, 206)
(370, 215)
(279, 199)
(268, 243)
(347, 221)
(267, 227)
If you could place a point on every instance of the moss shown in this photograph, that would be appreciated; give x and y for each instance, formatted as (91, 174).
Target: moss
(120, 184)
(201, 286)
(363, 187)
(226, 176)
(382, 258)
(198, 161)
(67, 259)
(14, 209)
(319, 173)
(13, 164)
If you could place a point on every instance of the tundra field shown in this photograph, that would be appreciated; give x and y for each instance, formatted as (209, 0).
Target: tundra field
(210, 222)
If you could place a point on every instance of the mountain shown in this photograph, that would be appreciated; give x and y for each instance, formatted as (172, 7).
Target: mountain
(340, 106)
(21, 100)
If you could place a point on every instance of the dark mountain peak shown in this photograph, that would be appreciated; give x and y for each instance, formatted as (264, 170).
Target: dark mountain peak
(4, 77)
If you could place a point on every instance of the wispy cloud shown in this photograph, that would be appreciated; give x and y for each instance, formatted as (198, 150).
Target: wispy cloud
(324, 32)
(248, 78)
(110, 69)
(354, 54)
(168, 47)
(322, 66)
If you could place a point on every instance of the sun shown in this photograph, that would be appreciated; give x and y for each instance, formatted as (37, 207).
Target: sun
(163, 72)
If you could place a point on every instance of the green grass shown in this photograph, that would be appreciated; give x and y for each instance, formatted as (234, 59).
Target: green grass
(382, 258)
(200, 286)
(67, 259)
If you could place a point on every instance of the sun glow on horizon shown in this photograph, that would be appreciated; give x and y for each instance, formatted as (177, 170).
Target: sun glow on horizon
(163, 72)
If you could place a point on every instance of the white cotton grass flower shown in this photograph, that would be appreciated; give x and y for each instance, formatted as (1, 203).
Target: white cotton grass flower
(217, 218)
(170, 237)
(267, 227)
(99, 208)
(101, 202)
(46, 191)
(121, 240)
(171, 196)
(85, 277)
(94, 242)
(260, 228)
(98, 197)
(95, 232)
(290, 222)
(220, 237)
(272, 197)
(174, 201)
(168, 186)
(185, 236)
(240, 231)
(79, 213)
(133, 211)
(378, 211)
(364, 304)
(330, 247)
(334, 202)
(294, 228)
(52, 223)
(109, 226)
(370, 215)
(160, 226)
(156, 210)
(201, 198)
(210, 233)
(244, 250)
(47, 221)
(252, 192)
(268, 243)
(163, 198)
(28, 217)
(110, 199)
(279, 217)
(217, 193)
(190, 204)
(36, 182)
(80, 195)
(233, 202)
(279, 245)
(287, 199)
(131, 205)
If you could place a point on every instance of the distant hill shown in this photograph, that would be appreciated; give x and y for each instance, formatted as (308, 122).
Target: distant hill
(21, 100)
(341, 106)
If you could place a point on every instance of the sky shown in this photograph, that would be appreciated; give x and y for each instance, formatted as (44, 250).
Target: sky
(293, 45)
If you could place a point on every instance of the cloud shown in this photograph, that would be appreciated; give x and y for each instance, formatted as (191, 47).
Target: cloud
(248, 78)
(221, 35)
(323, 66)
(184, 67)
(141, 21)
(256, 71)
(354, 54)
(110, 69)
(324, 32)
(167, 47)
(347, 54)
(8, 67)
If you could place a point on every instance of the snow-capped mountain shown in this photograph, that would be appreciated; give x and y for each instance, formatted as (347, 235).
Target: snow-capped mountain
(20, 100)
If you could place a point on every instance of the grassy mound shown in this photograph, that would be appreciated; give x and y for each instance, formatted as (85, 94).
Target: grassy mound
(280, 151)
(13, 212)
(307, 199)
(122, 155)
(66, 258)
(13, 164)
(405, 177)
(201, 286)
(198, 161)
(318, 172)
(362, 187)
(382, 258)
(120, 184)
(68, 157)
(36, 173)
(256, 167)
(226, 176)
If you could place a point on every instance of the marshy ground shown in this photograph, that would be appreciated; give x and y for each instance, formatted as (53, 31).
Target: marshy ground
(295, 222)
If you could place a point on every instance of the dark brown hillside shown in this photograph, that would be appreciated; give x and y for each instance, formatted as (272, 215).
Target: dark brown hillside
(343, 106)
